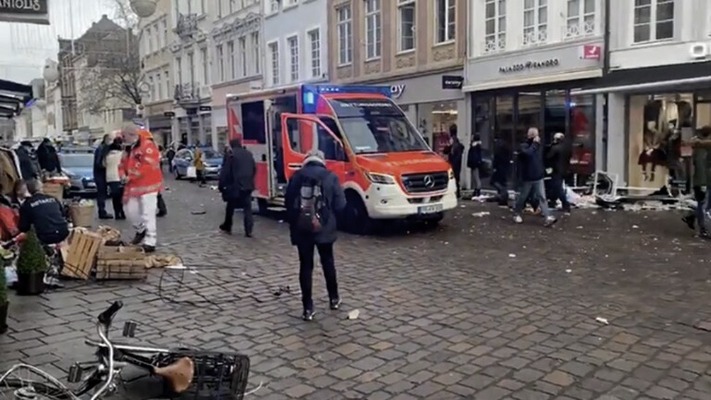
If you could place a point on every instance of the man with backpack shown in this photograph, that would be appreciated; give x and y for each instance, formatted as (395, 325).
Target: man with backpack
(313, 198)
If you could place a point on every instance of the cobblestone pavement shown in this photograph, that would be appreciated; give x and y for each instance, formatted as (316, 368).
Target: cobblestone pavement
(476, 309)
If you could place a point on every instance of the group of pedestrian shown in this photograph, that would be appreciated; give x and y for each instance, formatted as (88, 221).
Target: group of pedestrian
(313, 198)
(701, 182)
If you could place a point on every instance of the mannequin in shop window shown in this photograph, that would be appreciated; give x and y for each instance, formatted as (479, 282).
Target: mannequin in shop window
(652, 154)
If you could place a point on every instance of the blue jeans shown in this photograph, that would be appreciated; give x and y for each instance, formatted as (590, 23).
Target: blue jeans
(538, 190)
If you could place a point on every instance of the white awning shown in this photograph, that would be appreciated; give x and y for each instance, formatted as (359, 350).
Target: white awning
(645, 86)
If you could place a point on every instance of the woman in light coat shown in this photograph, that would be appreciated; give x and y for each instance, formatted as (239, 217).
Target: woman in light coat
(113, 176)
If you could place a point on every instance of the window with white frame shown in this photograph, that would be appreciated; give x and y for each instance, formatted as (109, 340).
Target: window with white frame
(220, 63)
(406, 24)
(535, 22)
(345, 35)
(581, 18)
(159, 87)
(232, 57)
(274, 59)
(495, 26)
(218, 5)
(191, 68)
(373, 32)
(653, 20)
(166, 79)
(243, 55)
(179, 71)
(255, 51)
(445, 19)
(152, 86)
(292, 44)
(274, 6)
(314, 38)
(151, 44)
(166, 35)
(204, 58)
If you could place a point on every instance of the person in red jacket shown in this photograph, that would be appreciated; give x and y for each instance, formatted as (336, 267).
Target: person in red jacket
(143, 180)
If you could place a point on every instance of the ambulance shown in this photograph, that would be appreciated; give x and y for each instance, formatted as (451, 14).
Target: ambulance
(386, 168)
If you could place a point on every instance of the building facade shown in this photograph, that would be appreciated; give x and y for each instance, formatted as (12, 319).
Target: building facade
(524, 65)
(296, 42)
(157, 70)
(191, 23)
(658, 87)
(237, 52)
(415, 47)
(53, 97)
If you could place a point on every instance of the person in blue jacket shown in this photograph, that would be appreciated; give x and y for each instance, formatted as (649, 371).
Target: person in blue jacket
(532, 171)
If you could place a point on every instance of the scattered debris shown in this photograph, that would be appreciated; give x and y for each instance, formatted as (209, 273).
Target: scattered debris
(512, 255)
(602, 320)
(353, 314)
(635, 227)
(198, 212)
(282, 289)
(481, 214)
(568, 271)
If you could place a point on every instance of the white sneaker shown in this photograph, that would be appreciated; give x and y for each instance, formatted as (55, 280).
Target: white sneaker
(518, 219)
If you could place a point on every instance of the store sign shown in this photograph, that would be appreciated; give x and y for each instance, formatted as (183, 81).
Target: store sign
(591, 52)
(397, 90)
(529, 65)
(27, 11)
(452, 82)
(699, 51)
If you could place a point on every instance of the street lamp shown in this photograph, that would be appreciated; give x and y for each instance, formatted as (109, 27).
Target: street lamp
(143, 8)
(50, 73)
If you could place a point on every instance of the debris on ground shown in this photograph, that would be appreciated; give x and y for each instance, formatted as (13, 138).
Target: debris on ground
(353, 314)
(602, 320)
(481, 214)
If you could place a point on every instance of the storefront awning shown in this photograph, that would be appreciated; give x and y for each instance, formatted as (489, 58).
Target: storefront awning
(647, 86)
(12, 97)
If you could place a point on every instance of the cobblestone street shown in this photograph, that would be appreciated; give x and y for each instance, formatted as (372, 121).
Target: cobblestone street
(478, 308)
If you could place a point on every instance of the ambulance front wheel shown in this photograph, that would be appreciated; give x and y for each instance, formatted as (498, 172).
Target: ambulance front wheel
(354, 218)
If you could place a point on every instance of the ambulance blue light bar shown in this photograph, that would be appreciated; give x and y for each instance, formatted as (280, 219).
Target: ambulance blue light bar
(310, 93)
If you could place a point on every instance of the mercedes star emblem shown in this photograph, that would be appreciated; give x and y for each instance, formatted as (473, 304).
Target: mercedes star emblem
(429, 181)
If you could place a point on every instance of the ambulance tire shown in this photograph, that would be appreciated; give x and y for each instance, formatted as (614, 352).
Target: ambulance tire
(355, 217)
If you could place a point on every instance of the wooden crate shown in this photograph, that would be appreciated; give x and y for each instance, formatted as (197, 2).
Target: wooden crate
(121, 263)
(83, 246)
(82, 215)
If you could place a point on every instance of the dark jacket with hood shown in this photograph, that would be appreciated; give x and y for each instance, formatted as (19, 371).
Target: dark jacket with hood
(530, 160)
(558, 159)
(47, 156)
(334, 197)
(29, 167)
(474, 156)
(237, 174)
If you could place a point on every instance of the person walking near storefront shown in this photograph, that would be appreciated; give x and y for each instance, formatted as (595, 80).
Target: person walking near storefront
(112, 163)
(501, 165)
(474, 163)
(143, 181)
(313, 199)
(532, 171)
(100, 175)
(455, 152)
(558, 158)
(199, 164)
(236, 183)
(170, 155)
(701, 161)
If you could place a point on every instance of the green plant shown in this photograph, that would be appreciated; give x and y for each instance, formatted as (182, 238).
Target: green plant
(3, 283)
(32, 258)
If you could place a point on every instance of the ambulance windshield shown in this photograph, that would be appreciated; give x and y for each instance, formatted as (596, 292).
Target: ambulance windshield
(376, 126)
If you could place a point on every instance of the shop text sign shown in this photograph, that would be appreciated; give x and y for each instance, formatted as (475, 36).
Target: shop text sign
(591, 52)
(397, 90)
(529, 66)
(452, 82)
(28, 11)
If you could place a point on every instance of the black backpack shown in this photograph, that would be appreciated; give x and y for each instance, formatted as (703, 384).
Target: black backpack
(311, 206)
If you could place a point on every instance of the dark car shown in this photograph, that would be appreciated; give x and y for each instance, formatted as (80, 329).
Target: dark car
(79, 167)
(184, 159)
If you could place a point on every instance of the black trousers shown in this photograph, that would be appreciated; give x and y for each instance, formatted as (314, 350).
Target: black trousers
(201, 177)
(50, 238)
(102, 191)
(116, 194)
(162, 208)
(502, 191)
(306, 271)
(558, 193)
(243, 201)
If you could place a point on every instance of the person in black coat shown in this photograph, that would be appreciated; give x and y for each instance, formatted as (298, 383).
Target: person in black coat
(474, 163)
(314, 170)
(236, 183)
(558, 160)
(100, 176)
(47, 156)
(532, 171)
(27, 157)
(501, 166)
(455, 153)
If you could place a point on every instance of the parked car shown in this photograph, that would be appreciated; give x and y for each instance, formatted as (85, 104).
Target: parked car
(79, 167)
(184, 159)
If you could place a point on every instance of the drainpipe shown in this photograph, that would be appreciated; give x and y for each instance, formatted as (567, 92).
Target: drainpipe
(605, 70)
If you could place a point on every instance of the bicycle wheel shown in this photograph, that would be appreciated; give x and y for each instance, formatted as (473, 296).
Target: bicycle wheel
(28, 382)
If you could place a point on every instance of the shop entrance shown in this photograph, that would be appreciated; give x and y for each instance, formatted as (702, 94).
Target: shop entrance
(508, 116)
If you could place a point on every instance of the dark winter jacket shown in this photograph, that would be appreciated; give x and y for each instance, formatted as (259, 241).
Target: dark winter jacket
(454, 153)
(474, 157)
(47, 157)
(99, 156)
(237, 174)
(29, 167)
(501, 163)
(333, 195)
(558, 159)
(46, 214)
(530, 162)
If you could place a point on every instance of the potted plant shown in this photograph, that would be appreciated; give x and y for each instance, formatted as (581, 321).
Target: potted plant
(31, 266)
(4, 304)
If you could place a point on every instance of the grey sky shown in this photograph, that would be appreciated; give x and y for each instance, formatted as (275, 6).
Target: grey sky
(25, 47)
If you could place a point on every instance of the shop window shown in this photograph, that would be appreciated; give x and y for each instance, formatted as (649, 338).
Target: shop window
(529, 114)
(582, 137)
(505, 127)
(657, 125)
(253, 127)
(554, 118)
(437, 118)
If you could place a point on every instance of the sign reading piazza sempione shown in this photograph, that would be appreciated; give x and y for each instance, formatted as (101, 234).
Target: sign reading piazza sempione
(27, 11)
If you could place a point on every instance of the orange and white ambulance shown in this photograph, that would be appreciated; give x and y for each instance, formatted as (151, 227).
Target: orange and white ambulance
(388, 171)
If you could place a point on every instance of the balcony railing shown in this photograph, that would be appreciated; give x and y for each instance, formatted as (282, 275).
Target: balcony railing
(187, 25)
(576, 29)
(186, 93)
(495, 44)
